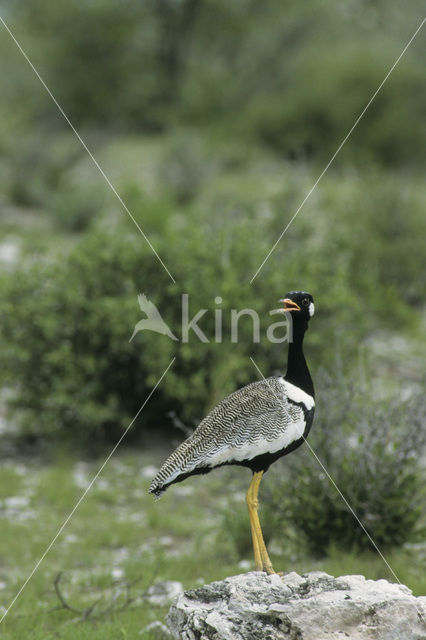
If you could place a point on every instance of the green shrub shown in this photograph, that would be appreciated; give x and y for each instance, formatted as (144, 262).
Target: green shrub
(292, 75)
(67, 320)
(74, 208)
(35, 169)
(185, 168)
(67, 323)
(372, 450)
(65, 346)
(326, 95)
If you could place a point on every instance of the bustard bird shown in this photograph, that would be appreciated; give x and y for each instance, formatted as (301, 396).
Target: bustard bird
(253, 426)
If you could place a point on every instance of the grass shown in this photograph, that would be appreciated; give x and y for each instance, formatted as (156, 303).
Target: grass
(120, 534)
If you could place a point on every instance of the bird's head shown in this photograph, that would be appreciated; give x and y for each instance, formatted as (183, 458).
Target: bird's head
(300, 304)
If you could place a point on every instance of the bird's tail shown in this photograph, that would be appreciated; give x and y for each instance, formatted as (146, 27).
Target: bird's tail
(157, 490)
(176, 467)
(162, 480)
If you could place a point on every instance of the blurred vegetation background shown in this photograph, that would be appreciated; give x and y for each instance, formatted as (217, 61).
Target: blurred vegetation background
(213, 120)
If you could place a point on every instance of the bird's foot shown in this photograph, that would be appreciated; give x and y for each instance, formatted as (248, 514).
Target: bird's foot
(269, 569)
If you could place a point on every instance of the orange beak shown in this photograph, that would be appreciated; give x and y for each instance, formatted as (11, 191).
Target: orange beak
(289, 305)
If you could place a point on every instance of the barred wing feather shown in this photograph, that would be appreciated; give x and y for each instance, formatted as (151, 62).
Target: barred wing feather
(257, 419)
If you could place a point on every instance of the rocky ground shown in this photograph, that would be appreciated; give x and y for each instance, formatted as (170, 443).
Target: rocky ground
(315, 606)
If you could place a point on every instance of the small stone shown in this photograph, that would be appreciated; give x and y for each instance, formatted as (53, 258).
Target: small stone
(160, 629)
(117, 573)
(16, 502)
(162, 593)
(184, 491)
(71, 538)
(149, 471)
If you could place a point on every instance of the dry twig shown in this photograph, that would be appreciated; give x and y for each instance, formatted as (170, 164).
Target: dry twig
(94, 611)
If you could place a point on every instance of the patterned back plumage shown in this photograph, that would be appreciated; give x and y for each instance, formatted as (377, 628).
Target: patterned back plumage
(257, 419)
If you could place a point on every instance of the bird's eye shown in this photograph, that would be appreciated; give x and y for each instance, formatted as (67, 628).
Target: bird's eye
(305, 302)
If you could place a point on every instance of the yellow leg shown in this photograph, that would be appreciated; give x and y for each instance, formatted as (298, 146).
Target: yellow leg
(257, 557)
(261, 557)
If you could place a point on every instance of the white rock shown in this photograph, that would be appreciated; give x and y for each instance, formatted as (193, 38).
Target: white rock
(160, 630)
(71, 538)
(80, 475)
(184, 491)
(314, 606)
(117, 573)
(148, 472)
(162, 593)
(16, 502)
(9, 251)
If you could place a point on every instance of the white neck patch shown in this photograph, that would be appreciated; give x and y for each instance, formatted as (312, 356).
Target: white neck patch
(298, 395)
(311, 309)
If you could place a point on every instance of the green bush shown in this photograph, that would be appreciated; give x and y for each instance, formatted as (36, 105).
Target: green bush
(65, 346)
(110, 65)
(75, 208)
(67, 324)
(326, 95)
(292, 75)
(372, 451)
(67, 320)
(36, 168)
